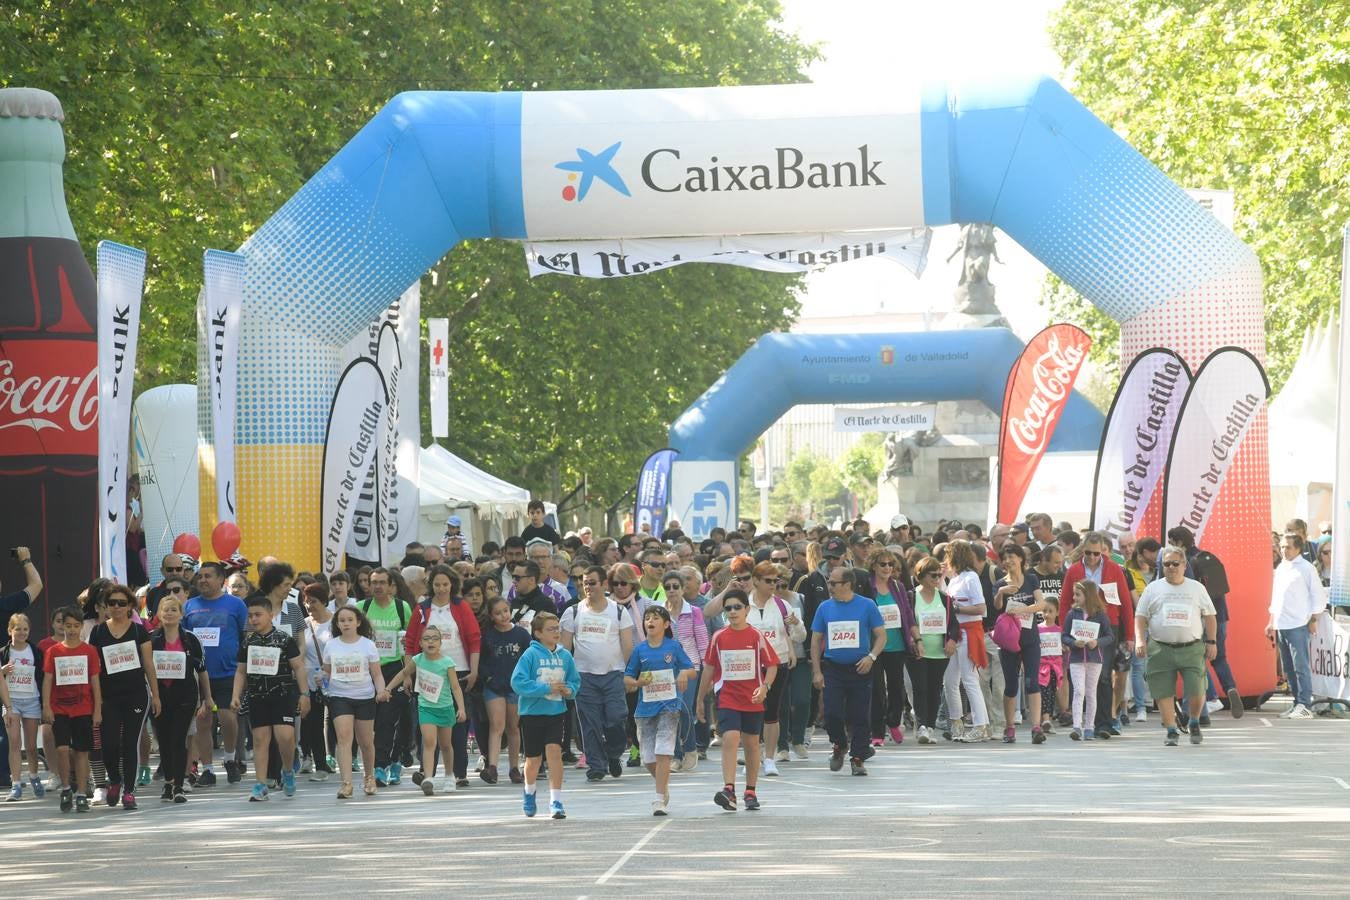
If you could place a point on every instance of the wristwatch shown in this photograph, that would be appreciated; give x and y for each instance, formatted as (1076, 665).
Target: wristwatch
(1208, 641)
(872, 657)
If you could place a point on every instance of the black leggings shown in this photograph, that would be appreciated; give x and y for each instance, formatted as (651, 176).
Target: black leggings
(888, 691)
(927, 677)
(459, 735)
(171, 728)
(773, 701)
(313, 734)
(123, 720)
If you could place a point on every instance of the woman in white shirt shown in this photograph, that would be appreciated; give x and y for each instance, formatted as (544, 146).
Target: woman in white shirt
(774, 619)
(968, 602)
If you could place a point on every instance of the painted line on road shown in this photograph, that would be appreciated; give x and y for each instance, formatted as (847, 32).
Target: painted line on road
(822, 787)
(1341, 782)
(1266, 722)
(614, 869)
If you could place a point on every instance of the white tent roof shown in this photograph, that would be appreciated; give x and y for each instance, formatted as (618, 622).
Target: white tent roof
(450, 483)
(1302, 418)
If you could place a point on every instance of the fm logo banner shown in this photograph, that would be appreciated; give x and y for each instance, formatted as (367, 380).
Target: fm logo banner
(703, 495)
(121, 277)
(653, 492)
(224, 300)
(1228, 393)
(1039, 386)
(1135, 442)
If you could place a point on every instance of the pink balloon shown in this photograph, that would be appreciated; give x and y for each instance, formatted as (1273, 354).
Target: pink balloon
(225, 539)
(189, 544)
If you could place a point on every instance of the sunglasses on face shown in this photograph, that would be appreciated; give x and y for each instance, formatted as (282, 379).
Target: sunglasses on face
(176, 590)
(885, 565)
(778, 559)
(734, 607)
(674, 586)
(520, 577)
(657, 565)
(591, 583)
(933, 575)
(769, 580)
(121, 601)
(173, 568)
(1092, 553)
(1171, 565)
(619, 584)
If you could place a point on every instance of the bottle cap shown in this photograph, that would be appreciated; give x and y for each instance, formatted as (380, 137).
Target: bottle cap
(30, 103)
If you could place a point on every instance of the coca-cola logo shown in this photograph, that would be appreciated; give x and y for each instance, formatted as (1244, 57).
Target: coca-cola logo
(57, 401)
(1052, 377)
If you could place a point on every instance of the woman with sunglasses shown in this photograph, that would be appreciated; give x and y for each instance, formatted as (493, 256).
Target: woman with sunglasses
(691, 631)
(185, 690)
(780, 626)
(968, 603)
(889, 700)
(1018, 594)
(1324, 562)
(934, 635)
(623, 586)
(128, 667)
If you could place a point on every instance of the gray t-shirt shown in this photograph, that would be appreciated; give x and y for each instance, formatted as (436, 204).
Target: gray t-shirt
(1174, 611)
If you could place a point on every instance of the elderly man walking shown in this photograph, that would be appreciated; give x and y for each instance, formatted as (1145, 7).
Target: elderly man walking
(1174, 628)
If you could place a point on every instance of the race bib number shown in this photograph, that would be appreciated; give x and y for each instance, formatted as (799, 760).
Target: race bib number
(72, 670)
(210, 637)
(594, 628)
(844, 635)
(22, 681)
(430, 685)
(263, 660)
(386, 643)
(1082, 630)
(1112, 593)
(890, 615)
(348, 668)
(662, 687)
(555, 678)
(1181, 615)
(121, 657)
(1015, 608)
(170, 664)
(933, 622)
(1052, 644)
(738, 665)
(284, 629)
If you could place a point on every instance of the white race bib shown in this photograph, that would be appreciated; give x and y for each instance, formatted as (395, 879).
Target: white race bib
(593, 627)
(662, 687)
(738, 665)
(933, 622)
(890, 615)
(386, 643)
(1112, 593)
(263, 660)
(170, 664)
(1052, 643)
(1179, 614)
(348, 668)
(210, 637)
(72, 670)
(429, 685)
(284, 629)
(1015, 608)
(844, 635)
(22, 680)
(122, 657)
(1083, 630)
(555, 677)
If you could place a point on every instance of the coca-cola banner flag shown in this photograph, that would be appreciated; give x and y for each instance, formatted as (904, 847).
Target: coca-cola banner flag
(224, 298)
(1039, 385)
(1228, 392)
(356, 423)
(438, 382)
(653, 491)
(121, 277)
(1135, 441)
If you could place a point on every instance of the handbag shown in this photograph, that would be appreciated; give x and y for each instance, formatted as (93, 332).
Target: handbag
(1008, 633)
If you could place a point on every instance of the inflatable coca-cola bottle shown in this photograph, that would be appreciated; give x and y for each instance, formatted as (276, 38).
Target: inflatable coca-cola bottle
(48, 360)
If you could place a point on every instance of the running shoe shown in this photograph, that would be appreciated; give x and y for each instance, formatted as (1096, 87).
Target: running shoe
(556, 809)
(634, 759)
(780, 756)
(396, 773)
(1089, 734)
(179, 796)
(100, 794)
(798, 750)
(406, 760)
(516, 776)
(234, 771)
(770, 769)
(67, 800)
(306, 766)
(39, 791)
(878, 742)
(368, 785)
(1196, 736)
(489, 775)
(15, 792)
(1141, 715)
(319, 776)
(1172, 738)
(569, 757)
(751, 801)
(1213, 706)
(690, 762)
(258, 794)
(128, 801)
(616, 767)
(1037, 736)
(81, 803)
(579, 760)
(1114, 729)
(837, 758)
(1235, 703)
(288, 783)
(461, 782)
(1010, 735)
(330, 763)
(1204, 719)
(726, 798)
(1103, 734)
(595, 777)
(658, 807)
(530, 804)
(1076, 734)
(856, 767)
(144, 778)
(897, 734)
(113, 796)
(1124, 720)
(428, 785)
(702, 755)
(166, 795)
(345, 791)
(1301, 712)
(924, 736)
(381, 776)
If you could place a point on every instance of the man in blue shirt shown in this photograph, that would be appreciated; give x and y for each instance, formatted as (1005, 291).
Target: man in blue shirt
(847, 636)
(218, 620)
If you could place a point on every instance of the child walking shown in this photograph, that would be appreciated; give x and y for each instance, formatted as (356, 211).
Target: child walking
(545, 678)
(73, 703)
(440, 704)
(21, 663)
(1087, 632)
(1052, 664)
(659, 670)
(272, 687)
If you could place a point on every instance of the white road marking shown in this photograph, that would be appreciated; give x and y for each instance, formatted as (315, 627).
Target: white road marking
(822, 787)
(614, 869)
(1266, 722)
(1341, 782)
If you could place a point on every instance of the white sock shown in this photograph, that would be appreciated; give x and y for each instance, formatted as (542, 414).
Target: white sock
(555, 795)
(529, 789)
(229, 756)
(660, 796)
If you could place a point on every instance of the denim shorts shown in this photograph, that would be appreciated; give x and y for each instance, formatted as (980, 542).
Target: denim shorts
(26, 707)
(511, 697)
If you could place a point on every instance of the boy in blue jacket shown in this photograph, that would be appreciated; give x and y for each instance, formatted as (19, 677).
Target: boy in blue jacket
(545, 677)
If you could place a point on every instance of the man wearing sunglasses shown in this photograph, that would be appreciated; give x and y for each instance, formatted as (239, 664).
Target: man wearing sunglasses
(172, 566)
(847, 636)
(1174, 629)
(1096, 566)
(653, 568)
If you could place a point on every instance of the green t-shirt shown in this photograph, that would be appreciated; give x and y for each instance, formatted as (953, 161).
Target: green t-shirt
(428, 670)
(386, 623)
(895, 641)
(932, 643)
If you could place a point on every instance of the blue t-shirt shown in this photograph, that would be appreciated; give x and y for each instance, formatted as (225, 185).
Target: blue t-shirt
(669, 657)
(847, 628)
(228, 616)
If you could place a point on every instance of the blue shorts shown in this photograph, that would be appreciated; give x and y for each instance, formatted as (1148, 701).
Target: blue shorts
(26, 707)
(511, 697)
(738, 720)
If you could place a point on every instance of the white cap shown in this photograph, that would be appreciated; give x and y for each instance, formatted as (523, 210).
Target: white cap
(899, 522)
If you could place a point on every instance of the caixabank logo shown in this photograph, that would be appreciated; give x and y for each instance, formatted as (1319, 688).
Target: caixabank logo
(589, 166)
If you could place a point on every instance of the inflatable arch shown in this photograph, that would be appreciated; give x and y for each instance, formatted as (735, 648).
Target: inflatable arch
(433, 169)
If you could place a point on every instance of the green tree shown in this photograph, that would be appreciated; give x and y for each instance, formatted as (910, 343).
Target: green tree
(1248, 95)
(188, 123)
(860, 466)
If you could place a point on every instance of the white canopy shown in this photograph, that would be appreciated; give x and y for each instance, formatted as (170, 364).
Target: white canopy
(489, 508)
(1303, 432)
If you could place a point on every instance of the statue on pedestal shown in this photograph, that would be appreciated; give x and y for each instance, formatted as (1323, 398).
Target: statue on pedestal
(974, 294)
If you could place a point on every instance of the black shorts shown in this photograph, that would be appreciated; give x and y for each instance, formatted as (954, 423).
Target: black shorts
(738, 720)
(774, 699)
(362, 710)
(222, 693)
(536, 732)
(75, 732)
(273, 709)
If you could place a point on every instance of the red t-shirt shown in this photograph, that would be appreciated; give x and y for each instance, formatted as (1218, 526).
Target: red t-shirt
(738, 660)
(75, 698)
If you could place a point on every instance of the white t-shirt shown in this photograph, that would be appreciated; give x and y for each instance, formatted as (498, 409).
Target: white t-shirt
(350, 675)
(317, 634)
(1174, 611)
(769, 622)
(595, 636)
(966, 590)
(25, 682)
(451, 642)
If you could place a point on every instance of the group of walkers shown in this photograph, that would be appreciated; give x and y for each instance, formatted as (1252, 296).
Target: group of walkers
(641, 652)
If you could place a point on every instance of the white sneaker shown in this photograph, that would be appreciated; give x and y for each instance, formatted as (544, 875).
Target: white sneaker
(1018, 717)
(799, 751)
(1213, 706)
(923, 736)
(781, 756)
(1289, 712)
(658, 807)
(1141, 715)
(307, 766)
(100, 797)
(690, 761)
(1301, 712)
(770, 768)
(716, 741)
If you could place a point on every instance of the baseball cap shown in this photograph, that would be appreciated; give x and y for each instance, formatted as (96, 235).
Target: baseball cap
(453, 522)
(860, 537)
(834, 547)
(1022, 527)
(899, 522)
(535, 542)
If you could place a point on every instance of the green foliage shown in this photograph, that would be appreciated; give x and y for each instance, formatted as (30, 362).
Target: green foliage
(188, 123)
(860, 467)
(1248, 95)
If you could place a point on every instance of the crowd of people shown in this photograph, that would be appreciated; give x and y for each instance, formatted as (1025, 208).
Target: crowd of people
(641, 652)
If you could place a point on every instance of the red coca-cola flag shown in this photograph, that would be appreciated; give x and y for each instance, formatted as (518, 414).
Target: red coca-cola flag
(1039, 385)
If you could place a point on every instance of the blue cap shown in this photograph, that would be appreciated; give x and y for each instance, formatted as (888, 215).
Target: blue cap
(453, 522)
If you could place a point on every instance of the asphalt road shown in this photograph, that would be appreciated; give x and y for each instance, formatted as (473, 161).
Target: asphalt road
(1262, 808)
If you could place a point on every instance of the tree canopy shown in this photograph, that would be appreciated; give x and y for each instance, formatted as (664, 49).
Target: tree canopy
(1251, 96)
(189, 123)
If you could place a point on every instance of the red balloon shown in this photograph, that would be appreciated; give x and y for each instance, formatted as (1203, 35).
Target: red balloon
(188, 543)
(225, 539)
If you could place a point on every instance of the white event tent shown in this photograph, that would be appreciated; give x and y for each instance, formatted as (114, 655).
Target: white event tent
(1303, 433)
(488, 507)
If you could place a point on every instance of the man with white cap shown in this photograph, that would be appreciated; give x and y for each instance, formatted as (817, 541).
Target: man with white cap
(899, 530)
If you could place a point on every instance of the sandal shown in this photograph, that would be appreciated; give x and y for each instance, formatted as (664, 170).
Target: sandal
(369, 785)
(345, 791)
